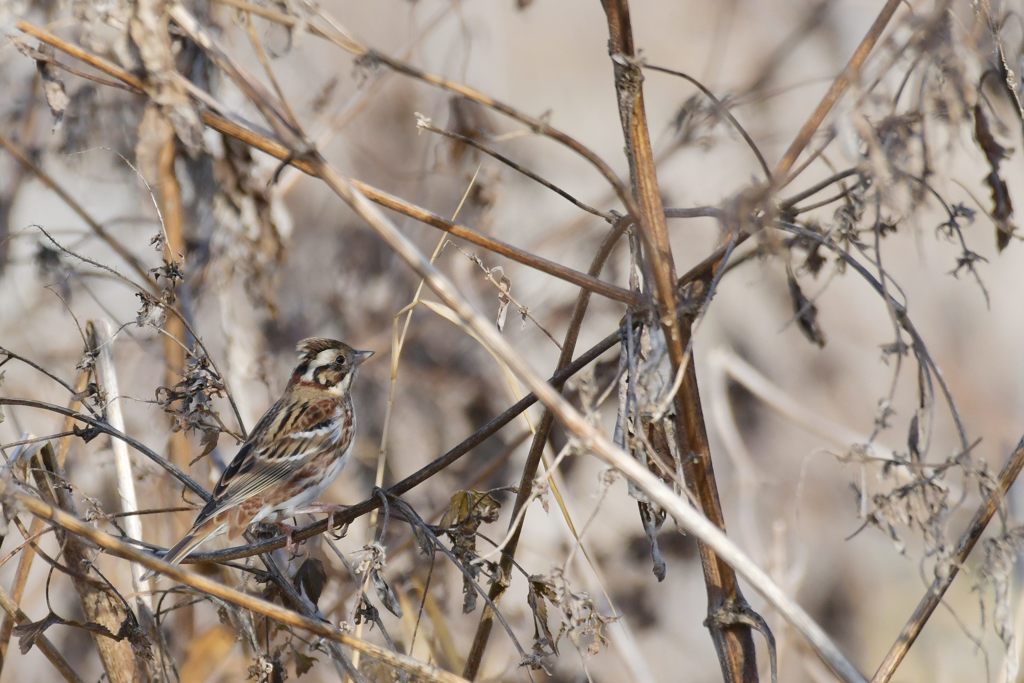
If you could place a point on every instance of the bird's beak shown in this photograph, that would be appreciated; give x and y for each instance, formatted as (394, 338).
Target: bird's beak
(360, 356)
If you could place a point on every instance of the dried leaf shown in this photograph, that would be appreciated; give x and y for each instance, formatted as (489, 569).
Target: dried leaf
(1002, 206)
(914, 438)
(805, 311)
(504, 289)
(471, 507)
(50, 73)
(311, 578)
(386, 593)
(652, 517)
(467, 510)
(303, 663)
(29, 633)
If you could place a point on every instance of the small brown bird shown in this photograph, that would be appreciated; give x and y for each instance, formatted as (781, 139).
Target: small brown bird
(292, 455)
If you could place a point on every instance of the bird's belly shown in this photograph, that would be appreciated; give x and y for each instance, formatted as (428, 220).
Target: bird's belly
(311, 481)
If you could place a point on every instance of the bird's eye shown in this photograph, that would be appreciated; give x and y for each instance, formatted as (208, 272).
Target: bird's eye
(340, 360)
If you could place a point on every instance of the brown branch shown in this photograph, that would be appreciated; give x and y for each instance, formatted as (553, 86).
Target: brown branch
(28, 553)
(849, 74)
(733, 641)
(210, 587)
(912, 629)
(99, 603)
(280, 151)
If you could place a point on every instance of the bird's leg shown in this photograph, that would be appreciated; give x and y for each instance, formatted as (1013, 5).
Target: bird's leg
(290, 542)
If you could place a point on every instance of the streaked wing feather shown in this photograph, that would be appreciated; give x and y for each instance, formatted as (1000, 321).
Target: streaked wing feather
(285, 439)
(268, 471)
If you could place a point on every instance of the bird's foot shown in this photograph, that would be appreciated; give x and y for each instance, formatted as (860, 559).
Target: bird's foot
(329, 509)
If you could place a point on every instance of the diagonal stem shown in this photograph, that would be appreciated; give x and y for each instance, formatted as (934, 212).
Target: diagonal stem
(912, 629)
(733, 639)
(540, 439)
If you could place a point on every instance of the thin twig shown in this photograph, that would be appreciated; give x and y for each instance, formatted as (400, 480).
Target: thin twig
(540, 438)
(850, 73)
(424, 124)
(105, 428)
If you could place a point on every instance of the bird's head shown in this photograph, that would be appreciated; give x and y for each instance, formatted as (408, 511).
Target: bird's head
(327, 364)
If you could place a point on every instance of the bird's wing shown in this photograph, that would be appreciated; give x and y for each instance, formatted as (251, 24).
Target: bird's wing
(286, 438)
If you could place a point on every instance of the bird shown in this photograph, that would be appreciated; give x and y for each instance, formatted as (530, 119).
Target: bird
(295, 451)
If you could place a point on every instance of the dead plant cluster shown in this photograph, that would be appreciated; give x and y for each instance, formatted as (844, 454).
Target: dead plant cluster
(691, 319)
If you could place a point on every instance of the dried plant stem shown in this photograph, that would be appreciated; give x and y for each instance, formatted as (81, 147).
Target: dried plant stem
(14, 613)
(371, 56)
(208, 586)
(732, 638)
(849, 74)
(168, 198)
(78, 209)
(912, 629)
(385, 199)
(533, 459)
(590, 439)
(105, 428)
(100, 604)
(28, 554)
(101, 341)
(698, 272)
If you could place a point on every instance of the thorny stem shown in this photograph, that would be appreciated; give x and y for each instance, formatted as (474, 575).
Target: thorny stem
(733, 642)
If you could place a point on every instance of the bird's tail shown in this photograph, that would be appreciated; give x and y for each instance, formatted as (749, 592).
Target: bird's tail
(196, 536)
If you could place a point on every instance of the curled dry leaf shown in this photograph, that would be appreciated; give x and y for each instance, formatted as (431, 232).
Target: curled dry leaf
(49, 71)
(1002, 206)
(467, 510)
(372, 565)
(580, 620)
(805, 311)
(311, 578)
(28, 633)
(504, 289)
